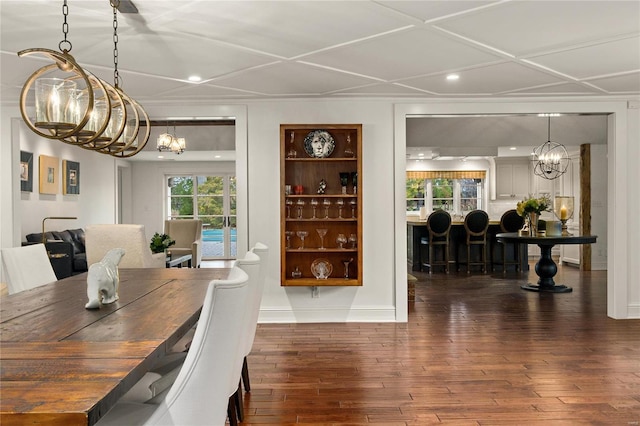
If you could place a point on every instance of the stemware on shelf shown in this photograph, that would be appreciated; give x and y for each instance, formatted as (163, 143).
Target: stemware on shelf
(322, 232)
(326, 203)
(353, 203)
(340, 204)
(346, 263)
(341, 239)
(302, 235)
(353, 240)
(289, 234)
(300, 205)
(292, 153)
(314, 206)
(289, 203)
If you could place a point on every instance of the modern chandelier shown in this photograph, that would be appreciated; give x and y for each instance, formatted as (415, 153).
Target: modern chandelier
(74, 106)
(550, 159)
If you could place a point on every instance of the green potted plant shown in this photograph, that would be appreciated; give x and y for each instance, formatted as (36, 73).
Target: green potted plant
(160, 242)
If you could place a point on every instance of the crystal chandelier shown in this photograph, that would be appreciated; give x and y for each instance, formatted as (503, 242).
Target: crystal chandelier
(170, 142)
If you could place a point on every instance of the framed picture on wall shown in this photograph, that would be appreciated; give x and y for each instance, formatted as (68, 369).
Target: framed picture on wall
(49, 174)
(26, 171)
(70, 177)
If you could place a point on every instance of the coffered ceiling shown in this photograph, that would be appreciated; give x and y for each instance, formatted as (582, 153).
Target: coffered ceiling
(286, 49)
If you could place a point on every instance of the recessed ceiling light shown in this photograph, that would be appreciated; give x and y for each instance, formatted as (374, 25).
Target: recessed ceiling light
(513, 148)
(421, 154)
(453, 77)
(160, 156)
(195, 78)
(217, 156)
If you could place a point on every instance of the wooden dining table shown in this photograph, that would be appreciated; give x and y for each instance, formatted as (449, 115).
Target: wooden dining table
(62, 364)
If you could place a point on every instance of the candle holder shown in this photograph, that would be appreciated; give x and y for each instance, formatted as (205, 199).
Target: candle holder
(563, 209)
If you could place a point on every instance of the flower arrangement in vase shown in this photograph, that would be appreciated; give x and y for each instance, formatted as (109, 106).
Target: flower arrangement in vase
(530, 208)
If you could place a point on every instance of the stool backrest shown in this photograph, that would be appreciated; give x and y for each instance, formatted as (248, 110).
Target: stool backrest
(476, 222)
(439, 223)
(511, 221)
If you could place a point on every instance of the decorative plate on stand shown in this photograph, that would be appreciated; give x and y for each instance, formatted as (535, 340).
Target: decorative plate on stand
(319, 144)
(321, 269)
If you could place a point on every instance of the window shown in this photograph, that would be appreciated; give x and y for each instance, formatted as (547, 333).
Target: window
(211, 199)
(455, 192)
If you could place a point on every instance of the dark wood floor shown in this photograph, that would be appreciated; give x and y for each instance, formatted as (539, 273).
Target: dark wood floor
(477, 350)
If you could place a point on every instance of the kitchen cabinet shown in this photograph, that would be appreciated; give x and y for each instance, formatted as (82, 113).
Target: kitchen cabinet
(512, 178)
(321, 204)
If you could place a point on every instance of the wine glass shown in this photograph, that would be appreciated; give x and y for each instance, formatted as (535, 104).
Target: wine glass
(289, 234)
(302, 235)
(340, 204)
(300, 205)
(326, 203)
(353, 203)
(289, 203)
(353, 240)
(341, 239)
(322, 232)
(314, 206)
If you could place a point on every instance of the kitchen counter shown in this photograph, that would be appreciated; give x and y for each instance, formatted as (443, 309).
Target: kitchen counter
(417, 228)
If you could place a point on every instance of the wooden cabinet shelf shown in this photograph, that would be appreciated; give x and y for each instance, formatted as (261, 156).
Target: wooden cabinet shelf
(332, 206)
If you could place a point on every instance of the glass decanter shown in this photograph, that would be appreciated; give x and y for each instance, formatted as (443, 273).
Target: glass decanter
(292, 153)
(348, 150)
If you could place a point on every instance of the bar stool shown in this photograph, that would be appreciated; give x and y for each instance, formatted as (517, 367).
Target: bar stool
(511, 221)
(476, 224)
(438, 227)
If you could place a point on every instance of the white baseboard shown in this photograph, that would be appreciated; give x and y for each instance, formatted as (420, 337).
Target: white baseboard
(287, 316)
(633, 311)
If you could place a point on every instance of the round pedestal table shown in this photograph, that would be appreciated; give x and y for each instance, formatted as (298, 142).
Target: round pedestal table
(546, 267)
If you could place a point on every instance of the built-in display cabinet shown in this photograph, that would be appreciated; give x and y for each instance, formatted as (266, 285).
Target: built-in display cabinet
(321, 204)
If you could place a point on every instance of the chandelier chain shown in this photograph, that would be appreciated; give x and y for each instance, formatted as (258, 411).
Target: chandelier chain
(116, 75)
(65, 45)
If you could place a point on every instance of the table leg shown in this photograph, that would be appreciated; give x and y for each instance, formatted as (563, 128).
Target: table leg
(546, 270)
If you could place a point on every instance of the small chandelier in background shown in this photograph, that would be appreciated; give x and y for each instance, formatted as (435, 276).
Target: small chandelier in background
(169, 142)
(550, 159)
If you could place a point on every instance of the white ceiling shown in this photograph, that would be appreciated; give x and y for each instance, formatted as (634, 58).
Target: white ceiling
(267, 49)
(336, 49)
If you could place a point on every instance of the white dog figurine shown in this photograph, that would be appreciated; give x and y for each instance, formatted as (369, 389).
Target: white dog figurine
(103, 280)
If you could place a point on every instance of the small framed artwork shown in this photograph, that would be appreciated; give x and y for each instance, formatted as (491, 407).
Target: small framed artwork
(70, 177)
(49, 174)
(26, 171)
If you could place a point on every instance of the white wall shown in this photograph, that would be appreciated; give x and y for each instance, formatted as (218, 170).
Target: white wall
(94, 204)
(374, 301)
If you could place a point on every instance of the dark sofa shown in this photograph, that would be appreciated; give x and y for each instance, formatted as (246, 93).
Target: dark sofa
(66, 248)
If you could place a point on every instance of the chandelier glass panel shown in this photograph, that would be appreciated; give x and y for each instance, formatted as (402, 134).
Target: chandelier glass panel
(74, 106)
(550, 160)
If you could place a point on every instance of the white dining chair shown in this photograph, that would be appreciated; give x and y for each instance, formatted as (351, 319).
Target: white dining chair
(27, 267)
(255, 297)
(209, 376)
(251, 264)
